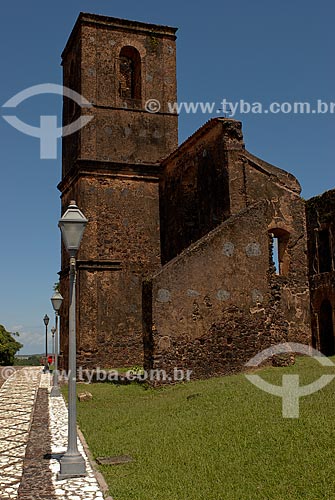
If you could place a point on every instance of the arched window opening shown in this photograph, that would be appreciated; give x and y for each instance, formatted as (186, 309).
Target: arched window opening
(324, 251)
(130, 73)
(326, 329)
(279, 257)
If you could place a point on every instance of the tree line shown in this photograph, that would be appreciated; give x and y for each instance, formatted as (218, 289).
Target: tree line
(8, 347)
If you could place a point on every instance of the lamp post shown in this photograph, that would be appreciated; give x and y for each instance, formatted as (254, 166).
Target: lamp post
(46, 322)
(72, 226)
(56, 301)
(53, 331)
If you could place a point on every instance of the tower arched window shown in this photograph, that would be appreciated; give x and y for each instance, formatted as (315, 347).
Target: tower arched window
(130, 73)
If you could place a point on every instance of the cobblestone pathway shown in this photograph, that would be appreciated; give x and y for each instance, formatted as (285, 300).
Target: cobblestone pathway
(6, 372)
(36, 483)
(17, 396)
(33, 428)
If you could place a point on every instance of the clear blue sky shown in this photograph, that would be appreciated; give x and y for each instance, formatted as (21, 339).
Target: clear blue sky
(252, 50)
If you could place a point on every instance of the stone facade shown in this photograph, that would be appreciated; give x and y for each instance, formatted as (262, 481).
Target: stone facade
(321, 252)
(220, 299)
(194, 256)
(111, 168)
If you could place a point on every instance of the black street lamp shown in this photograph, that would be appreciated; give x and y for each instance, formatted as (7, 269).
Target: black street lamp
(53, 331)
(56, 301)
(46, 322)
(72, 226)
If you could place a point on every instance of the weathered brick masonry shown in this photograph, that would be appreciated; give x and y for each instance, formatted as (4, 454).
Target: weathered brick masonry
(111, 168)
(321, 255)
(197, 252)
(221, 300)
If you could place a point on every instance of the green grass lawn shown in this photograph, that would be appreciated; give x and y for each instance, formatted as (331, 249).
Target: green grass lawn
(218, 439)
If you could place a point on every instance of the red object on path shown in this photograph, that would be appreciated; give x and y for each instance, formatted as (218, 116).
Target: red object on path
(50, 360)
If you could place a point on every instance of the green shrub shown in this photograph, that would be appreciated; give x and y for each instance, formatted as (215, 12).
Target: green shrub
(8, 347)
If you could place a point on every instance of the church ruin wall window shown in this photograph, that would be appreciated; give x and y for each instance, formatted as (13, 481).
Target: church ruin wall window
(326, 329)
(279, 256)
(324, 251)
(130, 73)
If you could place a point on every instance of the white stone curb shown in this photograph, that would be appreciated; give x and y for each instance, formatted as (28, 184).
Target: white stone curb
(83, 488)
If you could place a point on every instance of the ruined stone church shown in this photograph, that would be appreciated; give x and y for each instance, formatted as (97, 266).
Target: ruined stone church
(195, 256)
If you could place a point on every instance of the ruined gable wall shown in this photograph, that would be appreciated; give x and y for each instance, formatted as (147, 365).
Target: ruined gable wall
(194, 186)
(219, 302)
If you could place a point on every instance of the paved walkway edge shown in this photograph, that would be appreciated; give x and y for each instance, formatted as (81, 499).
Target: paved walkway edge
(81, 488)
(99, 476)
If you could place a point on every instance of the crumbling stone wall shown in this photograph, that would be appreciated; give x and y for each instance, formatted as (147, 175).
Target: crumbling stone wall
(120, 248)
(219, 302)
(210, 213)
(111, 168)
(122, 130)
(211, 177)
(320, 213)
(194, 191)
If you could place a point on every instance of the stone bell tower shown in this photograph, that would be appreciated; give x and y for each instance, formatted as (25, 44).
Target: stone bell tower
(111, 168)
